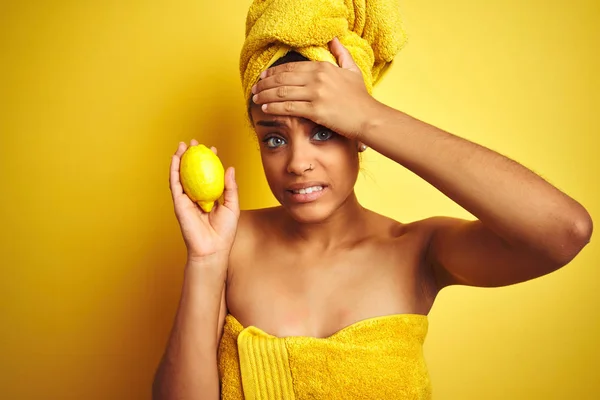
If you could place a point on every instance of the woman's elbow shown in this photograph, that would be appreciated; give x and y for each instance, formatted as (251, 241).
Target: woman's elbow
(575, 236)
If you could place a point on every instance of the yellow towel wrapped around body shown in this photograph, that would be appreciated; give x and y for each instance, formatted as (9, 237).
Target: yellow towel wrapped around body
(377, 358)
(371, 30)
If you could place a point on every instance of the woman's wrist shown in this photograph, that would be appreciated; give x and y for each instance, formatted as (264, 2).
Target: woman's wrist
(212, 264)
(376, 115)
(213, 260)
(205, 277)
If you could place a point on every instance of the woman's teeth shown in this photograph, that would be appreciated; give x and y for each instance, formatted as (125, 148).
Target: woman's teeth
(308, 190)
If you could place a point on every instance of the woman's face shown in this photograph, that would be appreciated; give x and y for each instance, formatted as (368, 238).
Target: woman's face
(310, 169)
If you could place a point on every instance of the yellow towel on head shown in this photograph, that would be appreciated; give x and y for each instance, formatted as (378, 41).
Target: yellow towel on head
(371, 31)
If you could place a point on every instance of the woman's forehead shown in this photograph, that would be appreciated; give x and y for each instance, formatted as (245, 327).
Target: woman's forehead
(268, 120)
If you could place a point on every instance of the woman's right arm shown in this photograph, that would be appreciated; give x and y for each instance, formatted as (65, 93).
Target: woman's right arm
(188, 369)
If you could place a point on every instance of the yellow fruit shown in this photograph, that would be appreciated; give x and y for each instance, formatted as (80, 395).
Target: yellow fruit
(202, 176)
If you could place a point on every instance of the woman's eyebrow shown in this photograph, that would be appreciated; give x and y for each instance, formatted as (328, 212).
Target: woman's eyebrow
(279, 124)
(272, 124)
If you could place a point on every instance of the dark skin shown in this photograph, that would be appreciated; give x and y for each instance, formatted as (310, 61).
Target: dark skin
(320, 261)
(313, 268)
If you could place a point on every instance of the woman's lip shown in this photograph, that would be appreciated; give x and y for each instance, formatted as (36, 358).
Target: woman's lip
(306, 197)
(304, 185)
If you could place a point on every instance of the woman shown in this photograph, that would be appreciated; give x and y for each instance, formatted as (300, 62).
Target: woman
(321, 262)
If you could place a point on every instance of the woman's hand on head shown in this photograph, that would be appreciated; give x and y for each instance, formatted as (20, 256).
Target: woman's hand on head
(331, 96)
(210, 235)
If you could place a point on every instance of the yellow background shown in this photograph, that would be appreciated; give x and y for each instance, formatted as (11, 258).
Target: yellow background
(95, 96)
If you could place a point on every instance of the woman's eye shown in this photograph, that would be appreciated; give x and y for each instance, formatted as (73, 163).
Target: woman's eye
(274, 142)
(323, 135)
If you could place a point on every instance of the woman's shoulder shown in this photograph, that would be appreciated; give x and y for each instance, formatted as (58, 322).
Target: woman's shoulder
(258, 225)
(252, 230)
(254, 224)
(261, 212)
(393, 228)
(256, 220)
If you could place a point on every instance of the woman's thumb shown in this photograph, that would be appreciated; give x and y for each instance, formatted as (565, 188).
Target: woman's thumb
(230, 195)
(342, 55)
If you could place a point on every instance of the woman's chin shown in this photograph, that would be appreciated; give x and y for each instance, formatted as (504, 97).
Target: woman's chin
(308, 213)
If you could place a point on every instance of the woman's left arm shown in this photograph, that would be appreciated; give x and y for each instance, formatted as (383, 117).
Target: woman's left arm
(525, 228)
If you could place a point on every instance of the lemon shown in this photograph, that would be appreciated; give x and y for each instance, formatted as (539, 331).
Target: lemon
(202, 176)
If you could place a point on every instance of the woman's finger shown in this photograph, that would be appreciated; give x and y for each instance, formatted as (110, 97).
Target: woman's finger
(284, 79)
(283, 93)
(214, 149)
(194, 142)
(299, 66)
(343, 56)
(174, 182)
(302, 109)
(181, 149)
(230, 195)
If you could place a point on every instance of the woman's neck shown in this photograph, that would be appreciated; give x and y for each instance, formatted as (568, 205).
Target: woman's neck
(342, 228)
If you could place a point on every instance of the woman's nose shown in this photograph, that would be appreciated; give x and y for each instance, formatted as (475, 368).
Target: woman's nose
(300, 160)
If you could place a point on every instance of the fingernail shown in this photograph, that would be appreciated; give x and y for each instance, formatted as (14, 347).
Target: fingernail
(253, 89)
(263, 74)
(254, 98)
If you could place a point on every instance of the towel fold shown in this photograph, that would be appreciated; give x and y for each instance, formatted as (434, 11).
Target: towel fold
(371, 30)
(376, 358)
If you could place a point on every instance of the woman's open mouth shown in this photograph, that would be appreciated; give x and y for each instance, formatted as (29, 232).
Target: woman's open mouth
(306, 194)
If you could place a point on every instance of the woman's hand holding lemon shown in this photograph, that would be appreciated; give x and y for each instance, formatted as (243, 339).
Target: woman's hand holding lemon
(208, 235)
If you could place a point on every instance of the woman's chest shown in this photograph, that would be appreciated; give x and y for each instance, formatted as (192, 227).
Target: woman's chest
(291, 294)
